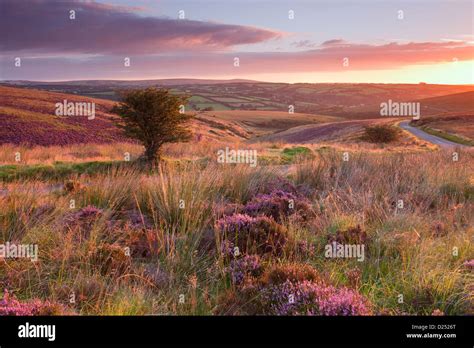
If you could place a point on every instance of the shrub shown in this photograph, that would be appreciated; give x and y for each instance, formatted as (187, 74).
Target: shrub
(260, 235)
(292, 289)
(381, 133)
(469, 265)
(279, 204)
(110, 259)
(248, 266)
(293, 272)
(309, 298)
(10, 306)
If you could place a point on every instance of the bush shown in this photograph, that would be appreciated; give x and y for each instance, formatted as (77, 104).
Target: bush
(252, 235)
(381, 133)
(279, 204)
(110, 259)
(10, 306)
(309, 298)
(293, 289)
(294, 273)
(245, 268)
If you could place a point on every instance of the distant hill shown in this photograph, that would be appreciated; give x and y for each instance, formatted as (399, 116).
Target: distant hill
(27, 116)
(452, 103)
(347, 100)
(124, 83)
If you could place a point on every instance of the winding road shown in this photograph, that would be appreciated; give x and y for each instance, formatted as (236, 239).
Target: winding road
(428, 137)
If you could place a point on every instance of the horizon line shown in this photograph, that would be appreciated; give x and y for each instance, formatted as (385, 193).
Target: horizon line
(240, 80)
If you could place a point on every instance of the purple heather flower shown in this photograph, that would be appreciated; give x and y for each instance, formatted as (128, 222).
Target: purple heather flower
(248, 265)
(235, 223)
(310, 298)
(469, 264)
(278, 204)
(259, 234)
(10, 306)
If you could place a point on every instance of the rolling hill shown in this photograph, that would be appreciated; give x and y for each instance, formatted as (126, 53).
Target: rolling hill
(347, 100)
(27, 116)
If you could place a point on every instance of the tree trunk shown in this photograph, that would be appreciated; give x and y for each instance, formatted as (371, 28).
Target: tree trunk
(152, 156)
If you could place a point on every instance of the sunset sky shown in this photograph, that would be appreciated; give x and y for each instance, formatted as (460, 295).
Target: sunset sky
(432, 43)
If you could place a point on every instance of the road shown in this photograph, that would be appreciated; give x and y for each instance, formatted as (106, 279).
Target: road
(428, 137)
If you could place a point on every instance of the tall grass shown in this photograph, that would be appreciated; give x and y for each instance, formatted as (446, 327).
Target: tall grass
(410, 249)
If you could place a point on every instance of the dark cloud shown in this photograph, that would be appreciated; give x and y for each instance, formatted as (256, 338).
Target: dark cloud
(334, 42)
(44, 27)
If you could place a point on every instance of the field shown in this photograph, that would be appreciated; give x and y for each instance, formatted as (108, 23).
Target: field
(334, 99)
(199, 237)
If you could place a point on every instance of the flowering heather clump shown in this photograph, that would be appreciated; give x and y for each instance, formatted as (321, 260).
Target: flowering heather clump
(279, 204)
(9, 305)
(293, 289)
(469, 265)
(244, 267)
(304, 247)
(258, 235)
(309, 298)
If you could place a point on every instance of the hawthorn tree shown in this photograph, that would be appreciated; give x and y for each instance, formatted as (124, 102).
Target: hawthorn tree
(154, 117)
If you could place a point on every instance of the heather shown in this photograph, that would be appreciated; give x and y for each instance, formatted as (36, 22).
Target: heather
(279, 205)
(11, 306)
(259, 234)
(136, 240)
(307, 298)
(293, 289)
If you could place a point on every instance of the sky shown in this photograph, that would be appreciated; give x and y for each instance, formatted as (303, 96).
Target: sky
(383, 41)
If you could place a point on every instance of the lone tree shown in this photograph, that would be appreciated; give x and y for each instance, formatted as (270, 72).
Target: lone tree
(154, 117)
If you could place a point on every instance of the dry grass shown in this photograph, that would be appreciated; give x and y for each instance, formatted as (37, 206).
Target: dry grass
(410, 250)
